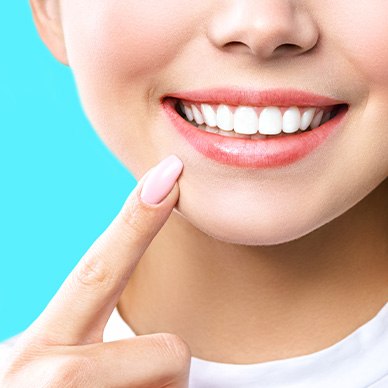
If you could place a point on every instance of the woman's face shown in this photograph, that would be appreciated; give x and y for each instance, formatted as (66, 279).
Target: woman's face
(127, 54)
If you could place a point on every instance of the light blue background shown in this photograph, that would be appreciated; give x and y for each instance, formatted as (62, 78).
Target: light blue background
(60, 186)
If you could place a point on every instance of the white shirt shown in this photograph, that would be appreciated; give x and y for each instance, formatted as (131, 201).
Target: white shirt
(359, 360)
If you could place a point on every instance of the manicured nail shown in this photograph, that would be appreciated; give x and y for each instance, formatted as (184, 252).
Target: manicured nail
(161, 180)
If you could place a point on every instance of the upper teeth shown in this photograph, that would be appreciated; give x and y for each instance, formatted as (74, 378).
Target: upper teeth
(248, 120)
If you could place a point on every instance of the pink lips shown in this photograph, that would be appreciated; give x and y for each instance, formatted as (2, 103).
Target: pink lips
(258, 153)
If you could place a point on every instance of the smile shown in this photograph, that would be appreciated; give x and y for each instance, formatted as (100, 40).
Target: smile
(254, 129)
(254, 122)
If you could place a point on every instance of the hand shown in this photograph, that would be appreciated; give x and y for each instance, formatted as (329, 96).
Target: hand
(64, 348)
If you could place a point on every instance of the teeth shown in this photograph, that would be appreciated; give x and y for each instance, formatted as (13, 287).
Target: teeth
(258, 122)
(188, 113)
(212, 129)
(197, 115)
(325, 118)
(306, 118)
(225, 118)
(209, 115)
(317, 120)
(271, 121)
(291, 120)
(246, 121)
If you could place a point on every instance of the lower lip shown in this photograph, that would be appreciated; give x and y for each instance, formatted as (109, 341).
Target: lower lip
(257, 153)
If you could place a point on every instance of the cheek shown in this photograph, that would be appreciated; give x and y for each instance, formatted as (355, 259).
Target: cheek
(118, 52)
(363, 37)
(126, 37)
(371, 53)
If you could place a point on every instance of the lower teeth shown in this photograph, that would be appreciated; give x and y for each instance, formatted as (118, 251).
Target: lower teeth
(257, 135)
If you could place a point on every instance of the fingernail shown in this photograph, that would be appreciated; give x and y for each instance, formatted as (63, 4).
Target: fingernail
(161, 180)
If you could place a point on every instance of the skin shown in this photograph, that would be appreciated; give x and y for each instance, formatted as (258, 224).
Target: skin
(56, 351)
(226, 273)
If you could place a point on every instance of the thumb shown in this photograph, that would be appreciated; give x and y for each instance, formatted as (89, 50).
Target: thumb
(149, 361)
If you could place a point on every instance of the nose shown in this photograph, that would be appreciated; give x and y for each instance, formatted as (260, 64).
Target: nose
(264, 28)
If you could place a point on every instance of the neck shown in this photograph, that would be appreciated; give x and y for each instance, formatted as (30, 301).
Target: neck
(242, 304)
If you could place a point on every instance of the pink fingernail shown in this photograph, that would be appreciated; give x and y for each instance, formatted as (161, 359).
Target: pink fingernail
(161, 180)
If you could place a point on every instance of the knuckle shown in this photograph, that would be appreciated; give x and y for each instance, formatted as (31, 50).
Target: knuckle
(93, 271)
(134, 215)
(44, 369)
(70, 371)
(175, 349)
(20, 360)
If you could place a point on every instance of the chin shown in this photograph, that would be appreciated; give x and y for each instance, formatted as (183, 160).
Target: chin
(241, 226)
(263, 210)
(255, 224)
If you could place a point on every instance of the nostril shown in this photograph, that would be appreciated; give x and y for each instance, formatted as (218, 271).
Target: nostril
(286, 48)
(289, 45)
(236, 47)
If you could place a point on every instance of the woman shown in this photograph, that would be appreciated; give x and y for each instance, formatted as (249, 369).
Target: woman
(255, 253)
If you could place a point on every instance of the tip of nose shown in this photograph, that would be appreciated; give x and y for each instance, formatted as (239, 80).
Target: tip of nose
(266, 31)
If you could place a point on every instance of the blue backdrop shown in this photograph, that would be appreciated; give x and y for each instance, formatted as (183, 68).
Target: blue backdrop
(60, 186)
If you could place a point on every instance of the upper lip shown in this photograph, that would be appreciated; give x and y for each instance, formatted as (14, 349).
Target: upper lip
(250, 97)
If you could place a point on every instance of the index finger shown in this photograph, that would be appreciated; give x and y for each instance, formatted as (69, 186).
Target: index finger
(79, 311)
